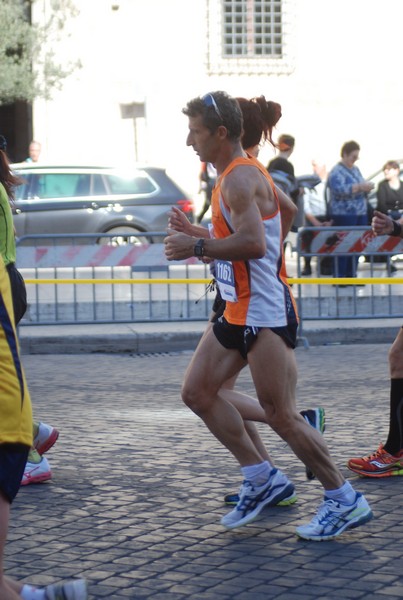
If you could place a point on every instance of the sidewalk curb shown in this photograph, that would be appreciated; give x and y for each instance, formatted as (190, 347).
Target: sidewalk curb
(136, 343)
(355, 335)
(178, 341)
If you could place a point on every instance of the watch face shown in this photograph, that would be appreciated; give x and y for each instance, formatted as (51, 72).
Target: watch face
(198, 249)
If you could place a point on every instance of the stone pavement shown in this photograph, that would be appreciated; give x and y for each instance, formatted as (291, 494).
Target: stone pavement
(136, 497)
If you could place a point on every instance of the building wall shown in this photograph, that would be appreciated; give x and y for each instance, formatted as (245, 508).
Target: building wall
(346, 84)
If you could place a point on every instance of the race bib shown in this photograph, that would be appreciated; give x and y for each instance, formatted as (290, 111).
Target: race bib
(224, 276)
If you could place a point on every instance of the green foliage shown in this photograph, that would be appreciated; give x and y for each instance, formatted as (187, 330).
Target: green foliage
(29, 67)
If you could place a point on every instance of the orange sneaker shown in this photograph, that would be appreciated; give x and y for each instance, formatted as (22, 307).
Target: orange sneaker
(378, 464)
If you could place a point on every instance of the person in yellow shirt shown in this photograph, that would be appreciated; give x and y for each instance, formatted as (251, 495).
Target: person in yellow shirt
(37, 468)
(15, 442)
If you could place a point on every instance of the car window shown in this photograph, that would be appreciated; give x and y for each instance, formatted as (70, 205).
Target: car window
(137, 184)
(98, 186)
(83, 186)
(21, 191)
(59, 185)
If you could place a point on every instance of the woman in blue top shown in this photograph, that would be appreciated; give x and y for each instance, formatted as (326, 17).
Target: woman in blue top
(348, 200)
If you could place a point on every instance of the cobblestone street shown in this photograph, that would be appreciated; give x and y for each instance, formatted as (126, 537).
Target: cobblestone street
(136, 496)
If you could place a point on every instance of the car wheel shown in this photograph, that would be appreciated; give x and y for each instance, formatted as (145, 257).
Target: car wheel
(122, 236)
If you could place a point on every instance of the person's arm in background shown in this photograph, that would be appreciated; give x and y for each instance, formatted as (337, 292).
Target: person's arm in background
(314, 222)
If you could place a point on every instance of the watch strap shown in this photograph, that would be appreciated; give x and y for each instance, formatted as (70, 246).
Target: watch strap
(397, 229)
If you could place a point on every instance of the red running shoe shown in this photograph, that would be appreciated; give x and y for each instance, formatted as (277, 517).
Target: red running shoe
(378, 464)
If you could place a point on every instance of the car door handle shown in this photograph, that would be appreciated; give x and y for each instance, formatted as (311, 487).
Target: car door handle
(94, 205)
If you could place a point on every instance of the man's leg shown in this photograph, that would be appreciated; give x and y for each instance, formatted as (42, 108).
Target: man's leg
(387, 460)
(248, 407)
(394, 443)
(276, 392)
(342, 507)
(211, 366)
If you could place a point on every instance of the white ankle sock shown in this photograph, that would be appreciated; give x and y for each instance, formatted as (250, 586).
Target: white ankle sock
(257, 474)
(344, 495)
(31, 593)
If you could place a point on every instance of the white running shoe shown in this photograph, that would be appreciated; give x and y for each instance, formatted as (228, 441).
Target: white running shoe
(253, 499)
(333, 518)
(37, 472)
(45, 438)
(72, 590)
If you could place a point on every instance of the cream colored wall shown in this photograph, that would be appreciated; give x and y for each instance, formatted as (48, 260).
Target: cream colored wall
(346, 84)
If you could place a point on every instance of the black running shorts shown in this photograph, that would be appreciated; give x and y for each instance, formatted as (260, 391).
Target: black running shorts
(13, 458)
(242, 337)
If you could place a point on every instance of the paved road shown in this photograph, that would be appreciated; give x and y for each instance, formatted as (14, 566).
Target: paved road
(136, 498)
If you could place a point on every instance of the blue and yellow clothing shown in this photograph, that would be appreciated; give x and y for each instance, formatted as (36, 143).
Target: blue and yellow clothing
(15, 403)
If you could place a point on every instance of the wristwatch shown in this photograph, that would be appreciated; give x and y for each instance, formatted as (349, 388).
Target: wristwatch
(397, 229)
(198, 249)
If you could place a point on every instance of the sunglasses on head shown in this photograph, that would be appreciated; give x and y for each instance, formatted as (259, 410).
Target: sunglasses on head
(208, 100)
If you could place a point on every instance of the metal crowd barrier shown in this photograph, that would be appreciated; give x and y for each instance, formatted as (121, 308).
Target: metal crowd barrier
(82, 279)
(375, 292)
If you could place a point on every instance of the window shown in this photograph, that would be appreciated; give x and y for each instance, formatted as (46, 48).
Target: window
(98, 186)
(252, 27)
(53, 185)
(138, 184)
(21, 191)
(83, 186)
(251, 37)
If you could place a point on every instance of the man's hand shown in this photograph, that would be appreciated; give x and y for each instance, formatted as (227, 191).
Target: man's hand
(178, 246)
(178, 221)
(381, 224)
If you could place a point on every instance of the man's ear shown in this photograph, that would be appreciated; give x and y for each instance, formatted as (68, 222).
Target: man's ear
(222, 132)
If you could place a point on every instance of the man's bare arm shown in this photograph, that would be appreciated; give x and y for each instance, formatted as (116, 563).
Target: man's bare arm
(247, 242)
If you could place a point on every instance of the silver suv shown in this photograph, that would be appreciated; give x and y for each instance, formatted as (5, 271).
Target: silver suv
(73, 199)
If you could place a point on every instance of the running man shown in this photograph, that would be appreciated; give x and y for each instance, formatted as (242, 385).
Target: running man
(258, 327)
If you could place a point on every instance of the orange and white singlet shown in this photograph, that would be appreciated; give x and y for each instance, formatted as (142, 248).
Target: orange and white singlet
(256, 290)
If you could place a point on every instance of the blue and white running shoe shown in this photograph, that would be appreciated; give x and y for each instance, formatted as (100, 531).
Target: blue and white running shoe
(71, 590)
(333, 518)
(253, 499)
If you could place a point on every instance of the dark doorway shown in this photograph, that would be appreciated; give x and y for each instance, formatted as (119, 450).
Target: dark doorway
(16, 126)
